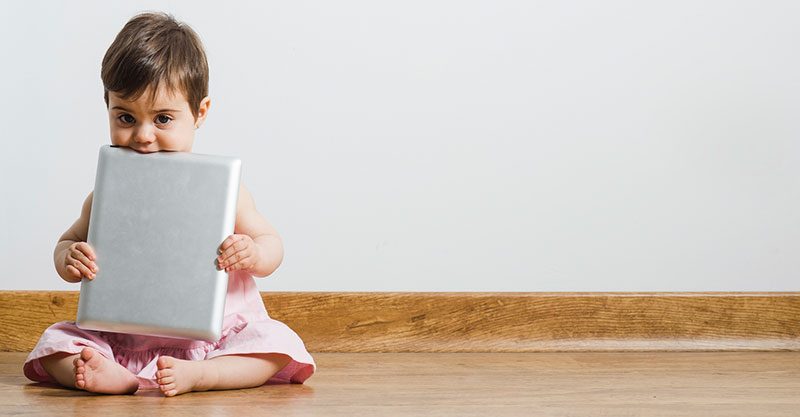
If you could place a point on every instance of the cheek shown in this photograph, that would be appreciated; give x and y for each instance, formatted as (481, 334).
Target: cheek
(175, 136)
(119, 137)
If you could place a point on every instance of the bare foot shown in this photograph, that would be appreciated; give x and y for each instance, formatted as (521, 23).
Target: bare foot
(95, 373)
(178, 376)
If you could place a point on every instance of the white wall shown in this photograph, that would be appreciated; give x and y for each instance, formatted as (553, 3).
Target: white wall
(450, 145)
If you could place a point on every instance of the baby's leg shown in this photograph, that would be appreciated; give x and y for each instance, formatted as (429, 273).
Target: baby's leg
(90, 371)
(177, 376)
(61, 366)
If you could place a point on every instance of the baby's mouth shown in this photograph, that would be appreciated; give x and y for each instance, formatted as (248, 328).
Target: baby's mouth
(145, 151)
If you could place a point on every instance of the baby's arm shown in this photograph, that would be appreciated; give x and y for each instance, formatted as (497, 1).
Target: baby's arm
(73, 257)
(255, 245)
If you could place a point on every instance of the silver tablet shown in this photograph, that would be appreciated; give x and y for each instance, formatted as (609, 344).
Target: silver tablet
(156, 223)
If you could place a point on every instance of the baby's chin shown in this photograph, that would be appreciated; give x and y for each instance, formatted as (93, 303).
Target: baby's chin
(145, 150)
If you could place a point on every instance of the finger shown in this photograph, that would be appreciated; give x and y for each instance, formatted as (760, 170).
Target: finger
(244, 264)
(228, 242)
(225, 243)
(88, 250)
(83, 269)
(235, 247)
(236, 257)
(80, 256)
(74, 271)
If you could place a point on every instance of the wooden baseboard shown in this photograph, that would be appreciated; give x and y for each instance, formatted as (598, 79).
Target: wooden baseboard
(487, 322)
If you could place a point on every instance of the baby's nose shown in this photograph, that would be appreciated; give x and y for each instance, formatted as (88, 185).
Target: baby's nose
(144, 135)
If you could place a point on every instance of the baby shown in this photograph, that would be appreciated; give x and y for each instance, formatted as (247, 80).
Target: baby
(155, 76)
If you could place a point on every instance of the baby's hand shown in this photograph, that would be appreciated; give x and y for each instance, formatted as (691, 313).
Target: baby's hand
(79, 260)
(238, 252)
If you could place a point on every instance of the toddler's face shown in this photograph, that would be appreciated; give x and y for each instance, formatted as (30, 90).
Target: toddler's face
(164, 124)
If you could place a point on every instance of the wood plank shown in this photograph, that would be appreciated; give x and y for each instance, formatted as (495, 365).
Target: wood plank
(674, 384)
(486, 322)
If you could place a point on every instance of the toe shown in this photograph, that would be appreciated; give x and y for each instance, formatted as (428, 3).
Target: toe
(165, 362)
(168, 389)
(87, 354)
(166, 380)
(165, 372)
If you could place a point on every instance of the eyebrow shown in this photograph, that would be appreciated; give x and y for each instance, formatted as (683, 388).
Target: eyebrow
(154, 111)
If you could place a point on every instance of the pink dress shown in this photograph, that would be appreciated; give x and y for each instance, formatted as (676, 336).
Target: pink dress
(247, 328)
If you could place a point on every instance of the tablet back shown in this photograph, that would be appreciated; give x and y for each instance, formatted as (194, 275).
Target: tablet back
(157, 221)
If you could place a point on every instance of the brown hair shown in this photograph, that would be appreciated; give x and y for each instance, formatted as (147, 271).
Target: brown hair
(154, 48)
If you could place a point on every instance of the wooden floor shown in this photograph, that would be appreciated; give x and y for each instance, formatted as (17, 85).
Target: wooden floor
(463, 384)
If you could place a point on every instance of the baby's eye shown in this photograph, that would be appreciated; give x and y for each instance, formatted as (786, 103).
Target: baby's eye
(163, 119)
(126, 118)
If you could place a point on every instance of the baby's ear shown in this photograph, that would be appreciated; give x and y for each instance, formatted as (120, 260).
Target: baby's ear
(202, 111)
